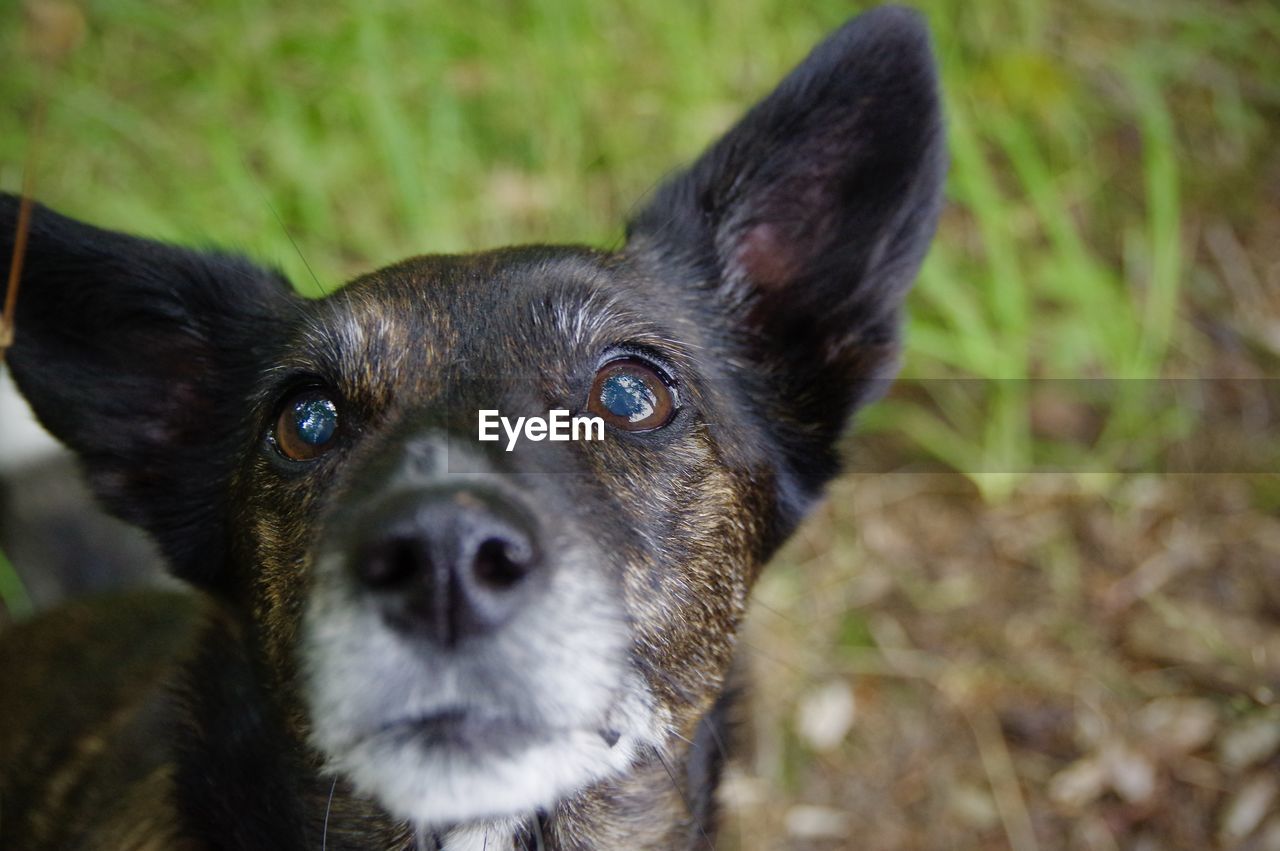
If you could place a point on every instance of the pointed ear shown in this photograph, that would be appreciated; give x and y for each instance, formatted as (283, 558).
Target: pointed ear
(807, 222)
(139, 356)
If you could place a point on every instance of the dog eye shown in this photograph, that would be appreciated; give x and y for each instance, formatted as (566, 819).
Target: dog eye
(307, 425)
(632, 395)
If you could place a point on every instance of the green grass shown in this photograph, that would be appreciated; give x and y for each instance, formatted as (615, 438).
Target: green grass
(12, 592)
(1066, 253)
(1080, 135)
(419, 127)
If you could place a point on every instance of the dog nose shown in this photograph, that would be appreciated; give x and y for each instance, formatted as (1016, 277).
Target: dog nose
(449, 565)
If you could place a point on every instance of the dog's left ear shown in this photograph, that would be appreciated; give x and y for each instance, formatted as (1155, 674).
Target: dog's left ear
(139, 356)
(806, 224)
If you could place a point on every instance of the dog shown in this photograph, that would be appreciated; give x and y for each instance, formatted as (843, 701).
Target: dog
(404, 636)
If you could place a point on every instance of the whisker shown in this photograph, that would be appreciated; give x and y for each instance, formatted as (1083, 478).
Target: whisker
(266, 200)
(715, 737)
(294, 243)
(714, 730)
(324, 836)
(687, 805)
(539, 838)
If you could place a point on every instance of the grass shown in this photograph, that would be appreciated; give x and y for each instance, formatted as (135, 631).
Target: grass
(1059, 266)
(375, 131)
(373, 135)
(1094, 145)
(13, 594)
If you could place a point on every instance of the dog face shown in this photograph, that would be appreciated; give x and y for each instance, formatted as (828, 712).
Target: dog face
(462, 631)
(481, 630)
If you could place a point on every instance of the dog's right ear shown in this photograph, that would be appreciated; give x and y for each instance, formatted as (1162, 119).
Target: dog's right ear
(139, 356)
(804, 226)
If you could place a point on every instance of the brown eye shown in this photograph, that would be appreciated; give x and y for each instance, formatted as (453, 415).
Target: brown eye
(307, 425)
(630, 394)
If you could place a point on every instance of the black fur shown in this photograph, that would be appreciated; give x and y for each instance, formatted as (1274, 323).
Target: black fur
(138, 356)
(768, 278)
(809, 219)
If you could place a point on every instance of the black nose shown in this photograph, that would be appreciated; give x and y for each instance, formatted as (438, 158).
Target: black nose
(449, 564)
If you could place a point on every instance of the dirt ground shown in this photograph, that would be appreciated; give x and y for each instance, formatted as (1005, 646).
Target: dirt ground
(1091, 663)
(1067, 670)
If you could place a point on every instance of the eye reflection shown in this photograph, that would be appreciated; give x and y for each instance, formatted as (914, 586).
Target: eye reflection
(628, 396)
(631, 395)
(306, 426)
(315, 420)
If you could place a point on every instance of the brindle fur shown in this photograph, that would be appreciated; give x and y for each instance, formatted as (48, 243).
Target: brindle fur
(769, 276)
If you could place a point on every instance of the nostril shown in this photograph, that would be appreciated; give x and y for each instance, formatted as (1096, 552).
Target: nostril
(447, 565)
(500, 564)
(391, 563)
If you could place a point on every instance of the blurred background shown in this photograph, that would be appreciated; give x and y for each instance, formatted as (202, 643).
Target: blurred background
(1043, 609)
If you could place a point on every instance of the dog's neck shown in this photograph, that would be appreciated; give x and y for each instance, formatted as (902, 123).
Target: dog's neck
(243, 779)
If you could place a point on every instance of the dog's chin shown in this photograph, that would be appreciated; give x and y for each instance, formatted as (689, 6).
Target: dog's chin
(493, 729)
(463, 770)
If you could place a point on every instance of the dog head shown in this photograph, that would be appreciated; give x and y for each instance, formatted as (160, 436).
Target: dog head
(462, 631)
